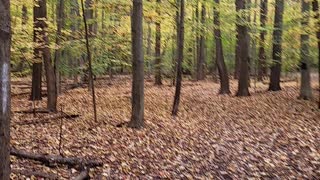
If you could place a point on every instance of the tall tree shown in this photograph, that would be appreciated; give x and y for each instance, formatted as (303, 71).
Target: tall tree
(262, 69)
(223, 72)
(202, 60)
(158, 79)
(180, 48)
(137, 118)
(46, 56)
(75, 24)
(89, 16)
(315, 8)
(305, 86)
(38, 31)
(237, 49)
(277, 48)
(57, 54)
(243, 45)
(5, 44)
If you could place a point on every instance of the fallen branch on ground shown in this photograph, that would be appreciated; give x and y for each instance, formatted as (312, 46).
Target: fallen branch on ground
(47, 119)
(51, 159)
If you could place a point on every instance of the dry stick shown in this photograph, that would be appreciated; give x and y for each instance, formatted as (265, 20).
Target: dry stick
(89, 59)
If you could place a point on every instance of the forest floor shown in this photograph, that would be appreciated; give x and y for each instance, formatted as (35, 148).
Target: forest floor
(266, 135)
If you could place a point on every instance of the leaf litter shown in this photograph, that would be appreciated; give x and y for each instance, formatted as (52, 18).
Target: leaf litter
(266, 135)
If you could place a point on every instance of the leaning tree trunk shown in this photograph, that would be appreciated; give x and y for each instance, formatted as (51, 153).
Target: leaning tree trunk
(262, 70)
(305, 86)
(223, 72)
(315, 8)
(243, 40)
(5, 43)
(201, 62)
(180, 58)
(277, 49)
(57, 54)
(137, 118)
(158, 79)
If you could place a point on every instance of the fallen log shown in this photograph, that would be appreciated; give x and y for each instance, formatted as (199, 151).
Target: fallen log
(51, 159)
(31, 111)
(47, 119)
(39, 174)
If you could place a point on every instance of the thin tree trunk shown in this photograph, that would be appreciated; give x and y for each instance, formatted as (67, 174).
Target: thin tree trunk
(201, 62)
(262, 67)
(277, 49)
(180, 58)
(137, 118)
(5, 44)
(57, 54)
(305, 86)
(315, 8)
(158, 79)
(243, 46)
(149, 54)
(237, 49)
(223, 72)
(75, 14)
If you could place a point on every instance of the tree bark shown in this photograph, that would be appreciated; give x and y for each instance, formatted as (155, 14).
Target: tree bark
(243, 46)
(180, 58)
(158, 78)
(262, 66)
(5, 44)
(315, 8)
(305, 86)
(201, 62)
(137, 118)
(57, 54)
(277, 49)
(223, 72)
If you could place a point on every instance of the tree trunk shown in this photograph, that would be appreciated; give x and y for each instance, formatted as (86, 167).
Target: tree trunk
(277, 49)
(223, 72)
(74, 15)
(262, 66)
(243, 39)
(305, 86)
(57, 54)
(137, 118)
(158, 78)
(5, 44)
(201, 62)
(315, 8)
(149, 54)
(180, 58)
(237, 49)
(42, 38)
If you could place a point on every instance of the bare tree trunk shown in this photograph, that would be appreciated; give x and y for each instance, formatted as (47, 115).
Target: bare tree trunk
(277, 49)
(243, 46)
(158, 79)
(57, 54)
(75, 14)
(237, 49)
(5, 44)
(315, 8)
(223, 72)
(180, 58)
(201, 62)
(262, 68)
(89, 16)
(149, 54)
(137, 118)
(305, 86)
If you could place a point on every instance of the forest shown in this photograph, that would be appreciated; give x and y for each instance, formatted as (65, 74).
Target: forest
(159, 89)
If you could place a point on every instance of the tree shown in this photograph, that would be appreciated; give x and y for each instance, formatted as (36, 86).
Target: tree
(5, 44)
(305, 86)
(315, 8)
(262, 71)
(57, 54)
(223, 72)
(277, 48)
(158, 78)
(243, 45)
(137, 118)
(201, 60)
(180, 47)
(89, 16)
